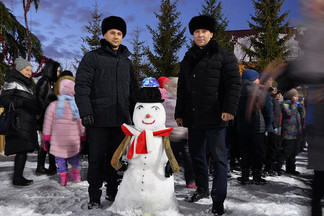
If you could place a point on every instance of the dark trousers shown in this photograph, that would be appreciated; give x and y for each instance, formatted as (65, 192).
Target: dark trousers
(288, 153)
(252, 152)
(181, 152)
(215, 138)
(102, 144)
(272, 150)
(318, 193)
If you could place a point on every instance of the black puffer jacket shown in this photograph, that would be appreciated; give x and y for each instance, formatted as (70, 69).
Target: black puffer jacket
(209, 84)
(45, 88)
(18, 89)
(105, 86)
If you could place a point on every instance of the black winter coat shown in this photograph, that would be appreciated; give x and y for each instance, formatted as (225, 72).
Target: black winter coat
(45, 88)
(18, 89)
(105, 86)
(209, 84)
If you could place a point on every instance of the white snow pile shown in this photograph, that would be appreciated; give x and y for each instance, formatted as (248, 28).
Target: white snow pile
(284, 195)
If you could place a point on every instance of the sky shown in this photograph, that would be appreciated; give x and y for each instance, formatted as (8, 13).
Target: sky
(60, 24)
(284, 195)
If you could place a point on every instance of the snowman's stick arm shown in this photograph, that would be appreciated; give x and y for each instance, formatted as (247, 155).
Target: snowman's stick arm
(170, 155)
(115, 162)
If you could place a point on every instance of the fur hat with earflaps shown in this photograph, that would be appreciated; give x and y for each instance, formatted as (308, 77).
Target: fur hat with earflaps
(113, 22)
(202, 22)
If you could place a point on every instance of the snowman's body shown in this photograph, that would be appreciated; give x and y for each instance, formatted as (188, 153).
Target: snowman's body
(144, 188)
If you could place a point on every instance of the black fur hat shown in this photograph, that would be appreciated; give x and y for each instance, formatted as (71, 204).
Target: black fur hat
(113, 22)
(149, 95)
(202, 22)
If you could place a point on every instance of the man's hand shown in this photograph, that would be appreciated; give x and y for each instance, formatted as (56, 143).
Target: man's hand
(227, 116)
(88, 121)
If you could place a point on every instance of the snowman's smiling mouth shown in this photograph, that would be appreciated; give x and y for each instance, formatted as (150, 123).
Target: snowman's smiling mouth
(148, 123)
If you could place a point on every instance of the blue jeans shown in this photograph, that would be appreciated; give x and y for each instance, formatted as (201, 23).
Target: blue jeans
(215, 138)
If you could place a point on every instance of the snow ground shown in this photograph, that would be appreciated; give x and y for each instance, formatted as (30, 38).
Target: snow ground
(284, 195)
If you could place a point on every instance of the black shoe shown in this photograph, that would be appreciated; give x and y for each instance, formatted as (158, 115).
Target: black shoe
(259, 181)
(218, 208)
(41, 171)
(52, 171)
(111, 194)
(293, 172)
(197, 196)
(94, 205)
(21, 181)
(244, 181)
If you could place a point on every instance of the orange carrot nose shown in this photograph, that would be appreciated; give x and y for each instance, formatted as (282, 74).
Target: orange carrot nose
(148, 116)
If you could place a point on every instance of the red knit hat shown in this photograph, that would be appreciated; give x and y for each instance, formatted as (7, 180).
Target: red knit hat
(162, 80)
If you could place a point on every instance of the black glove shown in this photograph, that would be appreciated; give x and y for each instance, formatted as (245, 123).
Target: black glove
(88, 121)
(124, 167)
(168, 170)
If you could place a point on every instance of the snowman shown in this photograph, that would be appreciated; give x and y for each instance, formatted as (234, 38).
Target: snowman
(147, 187)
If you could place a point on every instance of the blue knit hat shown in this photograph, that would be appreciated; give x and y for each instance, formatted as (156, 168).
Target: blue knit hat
(250, 74)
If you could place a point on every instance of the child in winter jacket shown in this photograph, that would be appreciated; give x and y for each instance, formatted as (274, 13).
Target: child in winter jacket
(63, 131)
(292, 112)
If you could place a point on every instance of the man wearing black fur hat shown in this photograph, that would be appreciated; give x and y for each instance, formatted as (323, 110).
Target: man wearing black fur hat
(208, 92)
(104, 87)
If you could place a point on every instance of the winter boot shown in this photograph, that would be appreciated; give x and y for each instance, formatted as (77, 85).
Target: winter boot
(257, 179)
(76, 175)
(111, 192)
(244, 179)
(18, 179)
(41, 170)
(52, 169)
(94, 205)
(64, 179)
(218, 208)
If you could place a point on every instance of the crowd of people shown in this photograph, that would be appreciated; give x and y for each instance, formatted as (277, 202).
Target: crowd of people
(218, 116)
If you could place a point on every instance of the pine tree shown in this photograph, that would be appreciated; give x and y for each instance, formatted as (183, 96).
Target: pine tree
(167, 41)
(92, 42)
(273, 33)
(214, 9)
(140, 68)
(13, 35)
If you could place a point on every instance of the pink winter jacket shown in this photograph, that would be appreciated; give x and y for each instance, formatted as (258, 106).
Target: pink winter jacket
(66, 131)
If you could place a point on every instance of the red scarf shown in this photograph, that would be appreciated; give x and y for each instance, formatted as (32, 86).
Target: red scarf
(141, 146)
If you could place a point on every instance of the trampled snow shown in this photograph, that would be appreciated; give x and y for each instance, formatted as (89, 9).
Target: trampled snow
(284, 195)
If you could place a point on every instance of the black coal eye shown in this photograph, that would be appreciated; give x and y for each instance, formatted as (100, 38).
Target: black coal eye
(155, 108)
(139, 107)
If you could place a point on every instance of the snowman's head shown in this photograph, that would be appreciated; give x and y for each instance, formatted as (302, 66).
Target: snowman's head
(149, 116)
(149, 113)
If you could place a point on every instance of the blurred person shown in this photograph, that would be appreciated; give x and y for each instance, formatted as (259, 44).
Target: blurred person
(44, 96)
(105, 89)
(63, 131)
(207, 96)
(18, 90)
(272, 139)
(308, 69)
(252, 130)
(292, 112)
(179, 135)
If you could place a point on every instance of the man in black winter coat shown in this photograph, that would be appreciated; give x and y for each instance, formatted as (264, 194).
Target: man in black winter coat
(208, 93)
(104, 90)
